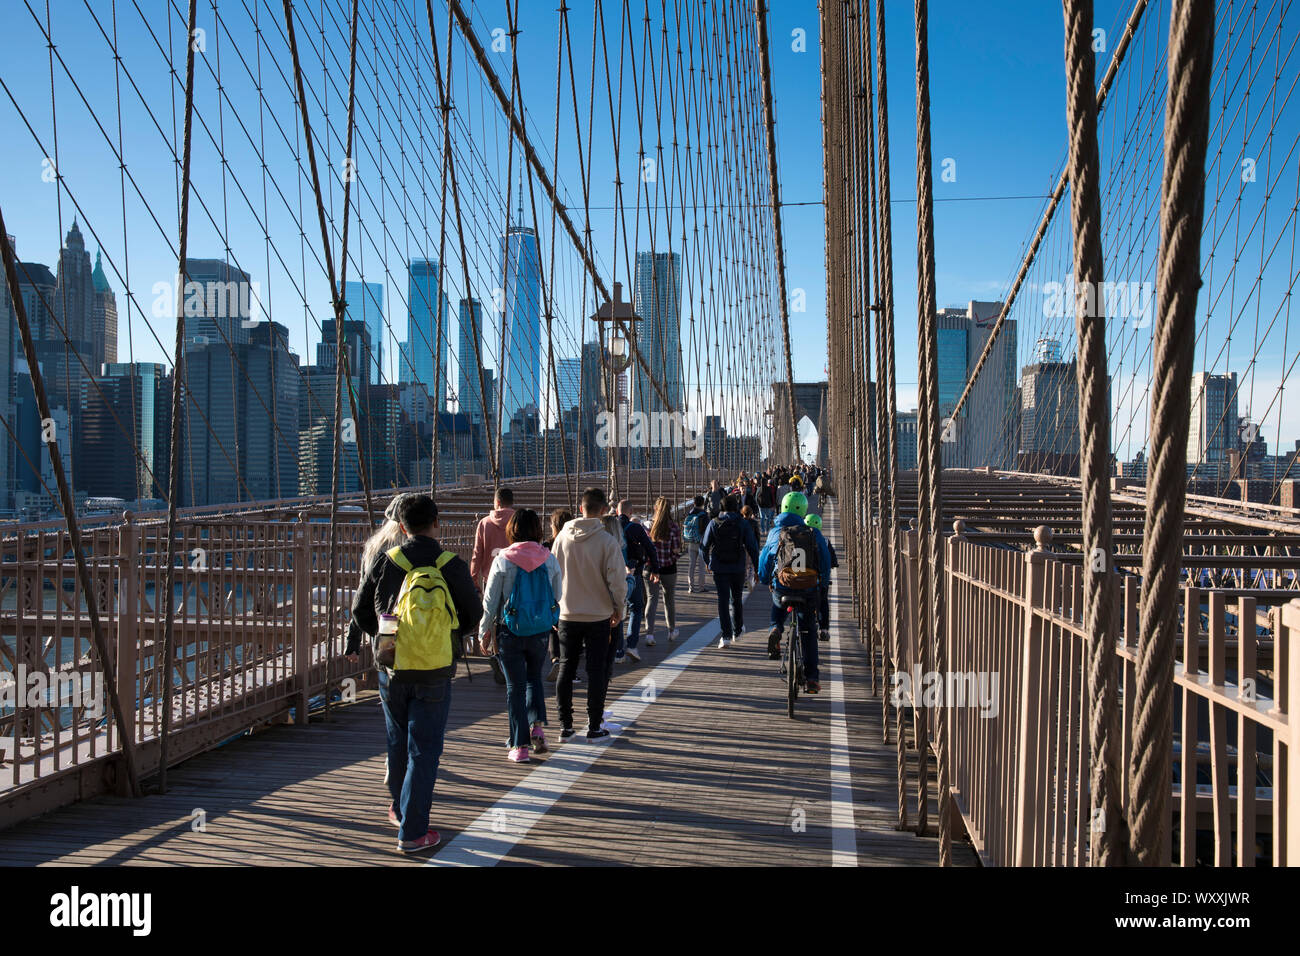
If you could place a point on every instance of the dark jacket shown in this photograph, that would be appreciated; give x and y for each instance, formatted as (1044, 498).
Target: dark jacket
(718, 566)
(378, 595)
(713, 501)
(637, 538)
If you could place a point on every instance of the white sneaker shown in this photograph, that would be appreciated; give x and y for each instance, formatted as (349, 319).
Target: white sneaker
(632, 653)
(673, 634)
(722, 643)
(649, 640)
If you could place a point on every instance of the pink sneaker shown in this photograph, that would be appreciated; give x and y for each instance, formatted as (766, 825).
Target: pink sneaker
(392, 815)
(539, 739)
(520, 755)
(426, 842)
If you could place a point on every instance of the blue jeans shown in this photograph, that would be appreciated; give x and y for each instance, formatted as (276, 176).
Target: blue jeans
(768, 515)
(522, 659)
(731, 596)
(416, 716)
(635, 608)
(807, 610)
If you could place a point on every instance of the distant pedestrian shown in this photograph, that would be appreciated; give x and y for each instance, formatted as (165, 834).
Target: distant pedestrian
(715, 498)
(693, 526)
(727, 541)
(667, 538)
(641, 558)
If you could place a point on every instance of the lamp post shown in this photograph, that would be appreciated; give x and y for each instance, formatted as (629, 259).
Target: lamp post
(615, 357)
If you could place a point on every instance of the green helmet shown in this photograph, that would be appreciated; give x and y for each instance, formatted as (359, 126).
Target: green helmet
(795, 503)
(813, 521)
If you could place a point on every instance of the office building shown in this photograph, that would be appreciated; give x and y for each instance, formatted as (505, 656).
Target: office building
(1214, 422)
(125, 432)
(365, 308)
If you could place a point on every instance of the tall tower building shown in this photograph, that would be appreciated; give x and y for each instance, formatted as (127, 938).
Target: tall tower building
(103, 318)
(365, 307)
(470, 320)
(986, 429)
(240, 442)
(426, 306)
(520, 377)
(656, 297)
(1214, 423)
(74, 297)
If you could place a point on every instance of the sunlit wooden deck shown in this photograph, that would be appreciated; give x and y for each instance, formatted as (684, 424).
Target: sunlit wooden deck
(710, 771)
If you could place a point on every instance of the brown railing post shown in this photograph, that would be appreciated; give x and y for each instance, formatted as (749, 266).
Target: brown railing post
(128, 630)
(1028, 763)
(302, 617)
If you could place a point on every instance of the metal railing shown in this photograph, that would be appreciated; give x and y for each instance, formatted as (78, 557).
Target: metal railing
(1020, 767)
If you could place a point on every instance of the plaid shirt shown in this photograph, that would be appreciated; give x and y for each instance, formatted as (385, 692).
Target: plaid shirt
(666, 552)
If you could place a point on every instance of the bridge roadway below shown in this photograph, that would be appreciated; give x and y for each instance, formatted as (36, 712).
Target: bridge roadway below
(706, 770)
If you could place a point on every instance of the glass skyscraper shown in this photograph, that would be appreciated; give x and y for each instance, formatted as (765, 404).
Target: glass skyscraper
(424, 300)
(657, 297)
(520, 376)
(365, 304)
(470, 319)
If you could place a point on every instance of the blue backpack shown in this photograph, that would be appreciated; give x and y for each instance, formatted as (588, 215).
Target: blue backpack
(692, 530)
(532, 608)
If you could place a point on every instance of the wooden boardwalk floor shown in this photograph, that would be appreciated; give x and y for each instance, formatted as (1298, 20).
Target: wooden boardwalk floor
(709, 772)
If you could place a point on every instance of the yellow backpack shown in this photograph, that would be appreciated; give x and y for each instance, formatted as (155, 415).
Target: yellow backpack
(426, 616)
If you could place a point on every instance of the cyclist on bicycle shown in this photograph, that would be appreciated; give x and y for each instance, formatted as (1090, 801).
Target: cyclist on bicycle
(824, 612)
(805, 599)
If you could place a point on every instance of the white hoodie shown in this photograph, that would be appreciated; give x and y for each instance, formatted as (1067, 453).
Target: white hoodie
(595, 580)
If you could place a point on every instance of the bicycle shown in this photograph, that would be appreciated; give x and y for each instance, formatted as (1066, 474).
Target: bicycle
(792, 649)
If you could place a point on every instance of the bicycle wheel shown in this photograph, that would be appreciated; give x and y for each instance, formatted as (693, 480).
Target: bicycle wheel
(793, 667)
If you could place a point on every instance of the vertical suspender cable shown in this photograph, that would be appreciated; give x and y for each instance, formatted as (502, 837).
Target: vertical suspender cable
(1099, 607)
(932, 595)
(1190, 58)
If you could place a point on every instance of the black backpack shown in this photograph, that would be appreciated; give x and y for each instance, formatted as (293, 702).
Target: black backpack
(727, 542)
(798, 560)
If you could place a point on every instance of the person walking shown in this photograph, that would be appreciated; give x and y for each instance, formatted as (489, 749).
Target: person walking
(520, 607)
(559, 518)
(666, 536)
(489, 541)
(749, 514)
(592, 601)
(693, 525)
(640, 552)
(727, 541)
(715, 498)
(767, 502)
(415, 684)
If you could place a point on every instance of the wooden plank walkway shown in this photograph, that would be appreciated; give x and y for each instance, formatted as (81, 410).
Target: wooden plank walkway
(711, 772)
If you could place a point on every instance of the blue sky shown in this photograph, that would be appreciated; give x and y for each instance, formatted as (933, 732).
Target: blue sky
(997, 87)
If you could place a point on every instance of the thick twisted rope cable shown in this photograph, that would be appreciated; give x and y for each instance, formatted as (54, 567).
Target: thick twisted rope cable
(1190, 59)
(933, 466)
(1099, 609)
(887, 315)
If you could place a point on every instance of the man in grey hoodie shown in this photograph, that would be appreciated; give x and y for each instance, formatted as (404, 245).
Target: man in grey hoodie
(591, 604)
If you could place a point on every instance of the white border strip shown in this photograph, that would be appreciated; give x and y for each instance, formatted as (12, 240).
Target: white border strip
(497, 831)
(844, 836)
